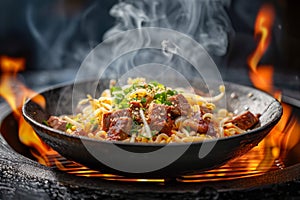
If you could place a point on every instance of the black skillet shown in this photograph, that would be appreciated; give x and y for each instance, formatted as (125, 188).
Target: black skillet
(151, 160)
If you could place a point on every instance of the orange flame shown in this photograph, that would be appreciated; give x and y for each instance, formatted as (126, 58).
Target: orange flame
(15, 93)
(281, 137)
(262, 76)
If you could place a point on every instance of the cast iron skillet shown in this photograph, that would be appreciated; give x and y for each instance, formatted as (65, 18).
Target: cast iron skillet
(216, 151)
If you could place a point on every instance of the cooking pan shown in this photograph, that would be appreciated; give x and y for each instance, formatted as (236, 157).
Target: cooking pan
(150, 160)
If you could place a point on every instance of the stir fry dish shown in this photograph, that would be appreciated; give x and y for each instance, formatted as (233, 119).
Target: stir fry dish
(151, 112)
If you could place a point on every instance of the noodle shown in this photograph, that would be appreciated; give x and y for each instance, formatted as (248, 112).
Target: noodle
(151, 113)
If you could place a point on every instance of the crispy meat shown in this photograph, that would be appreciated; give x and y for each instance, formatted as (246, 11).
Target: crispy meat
(57, 123)
(119, 128)
(147, 101)
(109, 116)
(106, 121)
(121, 113)
(159, 118)
(245, 120)
(117, 124)
(80, 132)
(196, 123)
(135, 107)
(180, 106)
(200, 126)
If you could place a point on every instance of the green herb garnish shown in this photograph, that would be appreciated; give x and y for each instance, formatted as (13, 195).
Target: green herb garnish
(143, 100)
(46, 122)
(68, 126)
(115, 89)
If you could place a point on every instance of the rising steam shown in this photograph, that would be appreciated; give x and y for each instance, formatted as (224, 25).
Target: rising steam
(204, 20)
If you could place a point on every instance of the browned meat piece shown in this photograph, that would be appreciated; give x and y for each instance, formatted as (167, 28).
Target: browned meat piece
(80, 132)
(121, 113)
(159, 119)
(106, 121)
(117, 124)
(200, 126)
(245, 120)
(180, 106)
(147, 101)
(109, 116)
(205, 110)
(57, 123)
(196, 123)
(119, 128)
(135, 105)
(211, 129)
(135, 110)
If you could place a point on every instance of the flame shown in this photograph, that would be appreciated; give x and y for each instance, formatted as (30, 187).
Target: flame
(284, 135)
(16, 93)
(262, 76)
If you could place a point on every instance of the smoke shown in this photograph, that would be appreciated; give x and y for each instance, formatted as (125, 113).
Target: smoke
(204, 20)
(54, 28)
(65, 38)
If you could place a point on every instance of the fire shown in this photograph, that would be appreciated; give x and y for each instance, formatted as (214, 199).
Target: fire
(284, 135)
(16, 93)
(262, 76)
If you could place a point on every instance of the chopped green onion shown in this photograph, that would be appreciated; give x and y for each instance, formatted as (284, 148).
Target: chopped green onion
(68, 125)
(95, 127)
(171, 92)
(114, 89)
(46, 122)
(188, 128)
(123, 104)
(168, 103)
(143, 100)
(155, 83)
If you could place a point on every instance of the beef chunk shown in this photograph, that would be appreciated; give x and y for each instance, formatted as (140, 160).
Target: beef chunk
(106, 121)
(119, 128)
(200, 126)
(147, 101)
(109, 116)
(80, 132)
(135, 107)
(196, 123)
(204, 110)
(57, 123)
(117, 124)
(159, 118)
(180, 106)
(121, 113)
(245, 120)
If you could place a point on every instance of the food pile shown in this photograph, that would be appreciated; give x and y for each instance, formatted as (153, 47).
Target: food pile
(151, 112)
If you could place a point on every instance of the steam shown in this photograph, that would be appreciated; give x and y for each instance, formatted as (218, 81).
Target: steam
(53, 30)
(204, 20)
